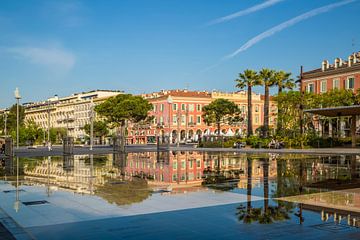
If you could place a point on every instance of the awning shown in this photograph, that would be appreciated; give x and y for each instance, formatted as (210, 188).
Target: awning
(336, 111)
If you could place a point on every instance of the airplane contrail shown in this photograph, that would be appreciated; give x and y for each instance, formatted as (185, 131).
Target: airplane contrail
(287, 24)
(244, 12)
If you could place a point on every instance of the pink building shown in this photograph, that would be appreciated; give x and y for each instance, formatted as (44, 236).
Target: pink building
(180, 111)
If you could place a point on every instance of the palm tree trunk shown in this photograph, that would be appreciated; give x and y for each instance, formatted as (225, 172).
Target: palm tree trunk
(249, 125)
(249, 185)
(266, 111)
(279, 113)
(266, 184)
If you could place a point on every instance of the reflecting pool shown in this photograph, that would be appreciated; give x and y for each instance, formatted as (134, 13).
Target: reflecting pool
(182, 195)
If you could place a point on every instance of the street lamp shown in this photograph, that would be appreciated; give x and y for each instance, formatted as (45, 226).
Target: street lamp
(91, 125)
(48, 129)
(170, 102)
(17, 97)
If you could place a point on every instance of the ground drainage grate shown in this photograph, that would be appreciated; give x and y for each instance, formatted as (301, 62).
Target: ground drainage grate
(11, 191)
(31, 203)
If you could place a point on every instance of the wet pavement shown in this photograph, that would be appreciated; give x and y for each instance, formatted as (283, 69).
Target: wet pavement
(181, 195)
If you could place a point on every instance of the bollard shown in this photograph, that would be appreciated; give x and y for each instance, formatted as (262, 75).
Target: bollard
(9, 150)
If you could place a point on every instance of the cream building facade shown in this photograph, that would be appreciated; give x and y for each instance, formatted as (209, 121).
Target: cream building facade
(71, 112)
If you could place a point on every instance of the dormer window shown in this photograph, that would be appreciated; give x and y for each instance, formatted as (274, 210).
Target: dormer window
(338, 62)
(325, 65)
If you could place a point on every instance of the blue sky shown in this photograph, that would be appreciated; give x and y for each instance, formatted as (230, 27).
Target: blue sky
(62, 47)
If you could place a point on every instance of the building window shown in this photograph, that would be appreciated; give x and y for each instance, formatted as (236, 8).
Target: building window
(336, 84)
(256, 119)
(191, 107)
(175, 106)
(198, 163)
(191, 164)
(311, 88)
(183, 164)
(183, 107)
(256, 108)
(323, 86)
(183, 177)
(243, 109)
(161, 107)
(191, 119)
(174, 119)
(183, 119)
(198, 119)
(174, 165)
(174, 177)
(198, 107)
(350, 83)
(161, 120)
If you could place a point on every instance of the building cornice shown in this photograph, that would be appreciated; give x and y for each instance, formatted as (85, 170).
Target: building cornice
(331, 72)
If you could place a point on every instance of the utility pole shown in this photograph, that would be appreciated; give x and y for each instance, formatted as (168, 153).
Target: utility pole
(301, 102)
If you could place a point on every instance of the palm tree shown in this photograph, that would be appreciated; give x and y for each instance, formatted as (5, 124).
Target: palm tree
(283, 81)
(249, 79)
(267, 79)
(248, 214)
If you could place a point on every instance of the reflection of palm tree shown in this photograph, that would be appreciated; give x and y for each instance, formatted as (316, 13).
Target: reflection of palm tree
(267, 215)
(248, 215)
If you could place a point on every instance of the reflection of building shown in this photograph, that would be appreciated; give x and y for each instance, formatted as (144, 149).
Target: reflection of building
(174, 168)
(74, 173)
(72, 112)
(183, 115)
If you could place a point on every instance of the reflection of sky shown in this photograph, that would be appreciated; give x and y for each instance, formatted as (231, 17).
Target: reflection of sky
(69, 207)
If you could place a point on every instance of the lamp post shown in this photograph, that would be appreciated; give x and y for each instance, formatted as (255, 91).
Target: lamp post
(48, 129)
(17, 201)
(17, 97)
(170, 102)
(91, 125)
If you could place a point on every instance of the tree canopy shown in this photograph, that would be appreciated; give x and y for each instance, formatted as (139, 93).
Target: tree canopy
(100, 129)
(221, 111)
(117, 110)
(11, 119)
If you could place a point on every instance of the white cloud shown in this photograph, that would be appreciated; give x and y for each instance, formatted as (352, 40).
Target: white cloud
(287, 24)
(55, 58)
(244, 12)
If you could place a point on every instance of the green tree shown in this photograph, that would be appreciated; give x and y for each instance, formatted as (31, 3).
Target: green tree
(283, 81)
(11, 119)
(122, 108)
(100, 129)
(248, 79)
(221, 111)
(266, 76)
(57, 134)
(336, 98)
